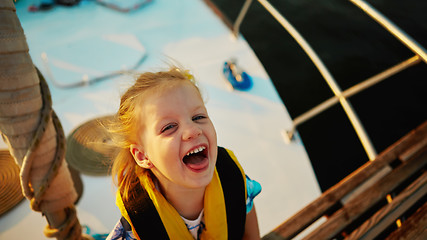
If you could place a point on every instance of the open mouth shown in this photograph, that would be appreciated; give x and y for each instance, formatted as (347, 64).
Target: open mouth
(197, 158)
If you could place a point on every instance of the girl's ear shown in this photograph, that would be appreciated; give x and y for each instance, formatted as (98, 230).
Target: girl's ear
(140, 156)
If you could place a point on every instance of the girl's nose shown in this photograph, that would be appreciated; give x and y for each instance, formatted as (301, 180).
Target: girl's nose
(192, 131)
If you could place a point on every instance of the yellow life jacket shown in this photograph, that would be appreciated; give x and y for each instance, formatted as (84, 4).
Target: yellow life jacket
(152, 217)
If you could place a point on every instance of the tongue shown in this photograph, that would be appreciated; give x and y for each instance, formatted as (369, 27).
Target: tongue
(195, 161)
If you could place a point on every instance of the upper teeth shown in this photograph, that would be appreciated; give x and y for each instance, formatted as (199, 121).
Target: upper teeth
(196, 150)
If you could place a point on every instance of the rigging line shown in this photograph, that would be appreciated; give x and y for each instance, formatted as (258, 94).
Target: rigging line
(85, 80)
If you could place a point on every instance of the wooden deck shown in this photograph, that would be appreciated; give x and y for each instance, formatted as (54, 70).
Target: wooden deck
(383, 199)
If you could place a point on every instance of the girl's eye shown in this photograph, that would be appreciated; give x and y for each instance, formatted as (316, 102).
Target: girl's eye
(198, 117)
(168, 127)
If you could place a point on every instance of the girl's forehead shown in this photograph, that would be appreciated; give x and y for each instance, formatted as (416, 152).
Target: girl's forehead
(176, 88)
(168, 96)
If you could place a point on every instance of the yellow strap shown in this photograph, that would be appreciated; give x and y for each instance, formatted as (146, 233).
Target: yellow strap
(120, 204)
(174, 225)
(215, 214)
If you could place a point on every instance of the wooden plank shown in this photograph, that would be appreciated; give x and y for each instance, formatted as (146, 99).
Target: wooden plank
(413, 150)
(415, 227)
(305, 217)
(356, 207)
(391, 212)
(272, 236)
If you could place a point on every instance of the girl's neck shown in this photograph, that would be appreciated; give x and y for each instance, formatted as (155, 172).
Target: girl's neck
(188, 202)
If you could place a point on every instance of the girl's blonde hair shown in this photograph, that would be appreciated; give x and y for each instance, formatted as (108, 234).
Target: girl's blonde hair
(125, 128)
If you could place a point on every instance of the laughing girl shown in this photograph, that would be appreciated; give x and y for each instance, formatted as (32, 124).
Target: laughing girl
(174, 182)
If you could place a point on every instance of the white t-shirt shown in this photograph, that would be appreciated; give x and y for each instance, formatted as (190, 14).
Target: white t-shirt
(194, 225)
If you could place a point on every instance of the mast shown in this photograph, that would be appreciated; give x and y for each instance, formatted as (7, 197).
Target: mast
(33, 132)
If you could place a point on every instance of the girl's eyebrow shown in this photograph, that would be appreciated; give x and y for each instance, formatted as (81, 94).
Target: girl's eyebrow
(168, 116)
(200, 107)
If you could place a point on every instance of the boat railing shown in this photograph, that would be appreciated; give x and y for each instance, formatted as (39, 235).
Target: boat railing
(339, 95)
